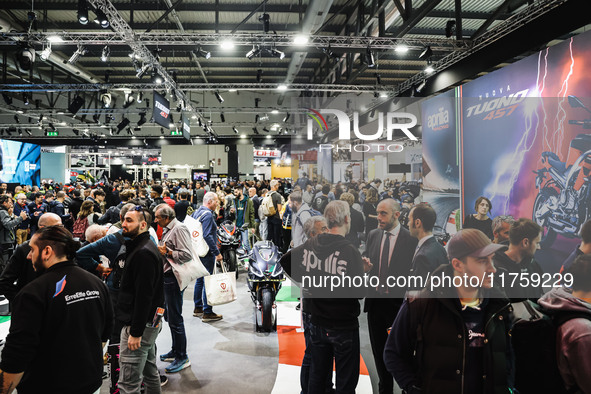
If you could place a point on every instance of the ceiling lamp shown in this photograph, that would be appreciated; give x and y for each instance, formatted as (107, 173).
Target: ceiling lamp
(201, 53)
(219, 97)
(45, 53)
(277, 53)
(101, 18)
(369, 58)
(426, 53)
(401, 48)
(265, 18)
(106, 99)
(82, 12)
(25, 57)
(81, 51)
(300, 40)
(106, 54)
(255, 51)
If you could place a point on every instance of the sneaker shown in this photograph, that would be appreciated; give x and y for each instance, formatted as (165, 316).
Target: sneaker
(211, 317)
(198, 311)
(178, 365)
(163, 380)
(170, 356)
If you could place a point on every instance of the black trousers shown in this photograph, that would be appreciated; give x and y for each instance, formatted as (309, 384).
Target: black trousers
(379, 318)
(274, 231)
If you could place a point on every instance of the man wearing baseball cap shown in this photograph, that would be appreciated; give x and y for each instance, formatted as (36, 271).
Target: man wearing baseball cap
(453, 336)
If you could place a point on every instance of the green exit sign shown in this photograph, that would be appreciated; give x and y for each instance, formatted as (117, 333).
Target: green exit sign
(52, 133)
(176, 132)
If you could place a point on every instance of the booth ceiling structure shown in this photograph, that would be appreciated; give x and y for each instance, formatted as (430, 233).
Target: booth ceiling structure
(235, 66)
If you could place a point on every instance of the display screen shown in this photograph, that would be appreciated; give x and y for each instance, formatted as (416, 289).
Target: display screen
(20, 163)
(200, 176)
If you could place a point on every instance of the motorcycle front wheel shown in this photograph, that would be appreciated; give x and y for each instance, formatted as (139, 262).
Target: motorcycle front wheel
(232, 265)
(548, 233)
(267, 299)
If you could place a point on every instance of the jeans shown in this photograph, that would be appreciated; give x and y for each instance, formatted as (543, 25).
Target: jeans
(199, 294)
(307, 360)
(139, 365)
(173, 296)
(245, 241)
(344, 346)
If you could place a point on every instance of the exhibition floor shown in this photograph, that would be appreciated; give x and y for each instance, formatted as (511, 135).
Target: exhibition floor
(228, 356)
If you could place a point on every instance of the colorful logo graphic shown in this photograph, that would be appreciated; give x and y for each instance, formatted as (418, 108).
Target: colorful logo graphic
(317, 115)
(60, 286)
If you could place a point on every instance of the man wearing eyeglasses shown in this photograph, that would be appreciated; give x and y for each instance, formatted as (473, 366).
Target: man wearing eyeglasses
(22, 231)
(140, 295)
(175, 246)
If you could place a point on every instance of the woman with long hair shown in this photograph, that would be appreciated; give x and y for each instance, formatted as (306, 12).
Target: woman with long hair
(370, 206)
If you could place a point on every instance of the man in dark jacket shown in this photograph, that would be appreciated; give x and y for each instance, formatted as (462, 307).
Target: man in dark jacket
(429, 253)
(455, 338)
(36, 209)
(390, 248)
(49, 317)
(19, 269)
(205, 214)
(334, 312)
(573, 336)
(518, 259)
(181, 206)
(76, 203)
(141, 297)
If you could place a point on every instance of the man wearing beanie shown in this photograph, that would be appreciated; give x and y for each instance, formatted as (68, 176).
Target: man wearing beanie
(453, 336)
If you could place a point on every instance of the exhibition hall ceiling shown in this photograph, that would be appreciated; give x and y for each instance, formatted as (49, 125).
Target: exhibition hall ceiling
(222, 61)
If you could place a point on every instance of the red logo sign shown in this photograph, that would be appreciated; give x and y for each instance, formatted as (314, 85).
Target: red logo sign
(195, 234)
(223, 286)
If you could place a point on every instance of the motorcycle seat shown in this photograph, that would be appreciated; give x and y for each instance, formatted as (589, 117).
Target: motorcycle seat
(555, 161)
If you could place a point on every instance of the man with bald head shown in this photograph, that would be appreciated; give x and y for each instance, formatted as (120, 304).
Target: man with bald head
(390, 249)
(19, 270)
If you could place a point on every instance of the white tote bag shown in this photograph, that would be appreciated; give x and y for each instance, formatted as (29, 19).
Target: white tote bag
(220, 288)
(196, 229)
(188, 272)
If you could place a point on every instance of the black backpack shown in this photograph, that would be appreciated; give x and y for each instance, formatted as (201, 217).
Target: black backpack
(320, 203)
(534, 343)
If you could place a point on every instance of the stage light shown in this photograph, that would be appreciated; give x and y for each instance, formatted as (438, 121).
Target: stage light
(227, 45)
(106, 54)
(429, 69)
(25, 57)
(81, 51)
(76, 131)
(123, 124)
(142, 120)
(28, 131)
(219, 97)
(96, 118)
(45, 53)
(426, 53)
(101, 18)
(222, 117)
(265, 18)
(300, 40)
(259, 75)
(401, 48)
(378, 79)
(52, 127)
(282, 86)
(17, 119)
(255, 51)
(25, 98)
(140, 97)
(421, 86)
(171, 121)
(287, 116)
(76, 104)
(256, 118)
(369, 58)
(234, 129)
(450, 28)
(156, 78)
(277, 53)
(82, 12)
(266, 130)
(255, 130)
(129, 100)
(201, 53)
(7, 99)
(106, 99)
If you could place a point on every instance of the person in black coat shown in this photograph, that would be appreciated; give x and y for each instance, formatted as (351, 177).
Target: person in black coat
(382, 304)
(430, 254)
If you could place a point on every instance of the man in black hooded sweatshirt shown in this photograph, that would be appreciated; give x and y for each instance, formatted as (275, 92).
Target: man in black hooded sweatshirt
(334, 327)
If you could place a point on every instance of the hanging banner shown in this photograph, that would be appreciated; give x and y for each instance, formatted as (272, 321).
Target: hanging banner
(161, 111)
(186, 125)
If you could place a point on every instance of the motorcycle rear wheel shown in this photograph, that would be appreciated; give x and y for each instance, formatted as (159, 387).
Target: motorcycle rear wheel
(232, 262)
(548, 233)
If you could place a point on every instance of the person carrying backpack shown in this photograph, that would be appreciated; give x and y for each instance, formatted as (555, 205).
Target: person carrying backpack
(321, 200)
(571, 314)
(86, 217)
(301, 213)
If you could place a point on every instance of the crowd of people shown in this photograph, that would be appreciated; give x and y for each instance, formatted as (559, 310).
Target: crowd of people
(99, 259)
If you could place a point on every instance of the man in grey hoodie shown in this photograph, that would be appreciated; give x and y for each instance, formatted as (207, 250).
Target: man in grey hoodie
(574, 336)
